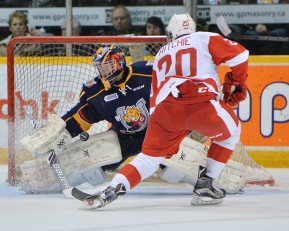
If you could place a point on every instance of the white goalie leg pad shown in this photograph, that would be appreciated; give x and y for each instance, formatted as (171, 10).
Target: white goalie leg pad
(99, 150)
(95, 176)
(232, 178)
(81, 162)
(184, 166)
(52, 135)
(37, 177)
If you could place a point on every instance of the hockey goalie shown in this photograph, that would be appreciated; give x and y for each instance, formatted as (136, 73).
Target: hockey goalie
(120, 95)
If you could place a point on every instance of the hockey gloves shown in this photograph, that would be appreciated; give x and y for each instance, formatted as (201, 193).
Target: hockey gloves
(234, 92)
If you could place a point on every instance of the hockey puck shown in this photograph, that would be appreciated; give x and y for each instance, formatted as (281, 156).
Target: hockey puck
(84, 136)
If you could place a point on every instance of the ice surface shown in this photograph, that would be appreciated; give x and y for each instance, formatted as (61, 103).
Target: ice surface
(150, 206)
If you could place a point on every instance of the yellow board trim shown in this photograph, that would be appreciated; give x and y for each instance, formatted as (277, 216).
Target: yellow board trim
(269, 59)
(3, 156)
(270, 159)
(3, 60)
(75, 59)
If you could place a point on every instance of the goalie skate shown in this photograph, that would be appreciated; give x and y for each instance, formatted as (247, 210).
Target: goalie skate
(205, 194)
(103, 198)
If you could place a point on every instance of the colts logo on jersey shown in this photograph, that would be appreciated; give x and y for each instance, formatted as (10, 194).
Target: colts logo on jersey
(134, 118)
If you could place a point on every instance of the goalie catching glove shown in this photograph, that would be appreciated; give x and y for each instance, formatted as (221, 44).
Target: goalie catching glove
(234, 91)
(51, 136)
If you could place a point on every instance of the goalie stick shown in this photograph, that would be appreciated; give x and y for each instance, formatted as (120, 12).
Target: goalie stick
(52, 158)
(227, 32)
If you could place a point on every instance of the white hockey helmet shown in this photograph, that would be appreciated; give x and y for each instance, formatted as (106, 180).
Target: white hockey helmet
(180, 24)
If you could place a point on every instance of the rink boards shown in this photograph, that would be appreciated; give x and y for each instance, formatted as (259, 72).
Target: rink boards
(264, 114)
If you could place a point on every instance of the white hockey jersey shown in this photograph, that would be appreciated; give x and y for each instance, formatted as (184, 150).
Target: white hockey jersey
(195, 57)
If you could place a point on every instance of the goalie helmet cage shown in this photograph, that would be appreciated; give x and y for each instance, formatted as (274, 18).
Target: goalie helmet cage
(48, 72)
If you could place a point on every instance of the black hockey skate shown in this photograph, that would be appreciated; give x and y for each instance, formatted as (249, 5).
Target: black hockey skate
(205, 194)
(103, 198)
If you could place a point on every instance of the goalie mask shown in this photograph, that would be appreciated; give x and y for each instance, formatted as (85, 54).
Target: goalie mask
(180, 24)
(109, 64)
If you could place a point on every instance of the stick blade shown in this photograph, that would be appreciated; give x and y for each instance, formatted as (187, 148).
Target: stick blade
(78, 194)
(223, 26)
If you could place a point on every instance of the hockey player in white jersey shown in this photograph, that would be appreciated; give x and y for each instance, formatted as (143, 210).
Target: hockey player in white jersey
(185, 97)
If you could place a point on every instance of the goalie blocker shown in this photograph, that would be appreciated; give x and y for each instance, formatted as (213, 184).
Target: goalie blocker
(82, 162)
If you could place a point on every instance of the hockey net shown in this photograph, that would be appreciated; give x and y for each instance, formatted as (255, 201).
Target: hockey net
(49, 72)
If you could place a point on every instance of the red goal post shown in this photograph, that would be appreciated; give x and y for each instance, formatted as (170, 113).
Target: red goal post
(48, 72)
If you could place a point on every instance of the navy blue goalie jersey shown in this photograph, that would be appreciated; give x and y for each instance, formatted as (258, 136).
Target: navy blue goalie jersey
(125, 105)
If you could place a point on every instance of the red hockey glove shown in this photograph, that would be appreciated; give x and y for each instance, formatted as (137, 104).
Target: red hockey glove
(234, 92)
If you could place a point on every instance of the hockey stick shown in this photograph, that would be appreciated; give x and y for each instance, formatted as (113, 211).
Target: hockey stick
(78, 194)
(227, 32)
(52, 158)
(58, 171)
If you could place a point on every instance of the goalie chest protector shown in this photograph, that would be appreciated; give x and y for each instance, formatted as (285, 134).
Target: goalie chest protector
(125, 105)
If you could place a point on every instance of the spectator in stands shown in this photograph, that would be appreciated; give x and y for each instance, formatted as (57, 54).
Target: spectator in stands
(51, 3)
(151, 2)
(154, 26)
(268, 29)
(280, 30)
(16, 3)
(74, 49)
(215, 2)
(122, 2)
(236, 28)
(80, 3)
(18, 27)
(42, 3)
(76, 28)
(234, 2)
(159, 2)
(121, 20)
(273, 29)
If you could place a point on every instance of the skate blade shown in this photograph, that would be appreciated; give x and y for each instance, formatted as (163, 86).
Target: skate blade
(201, 201)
